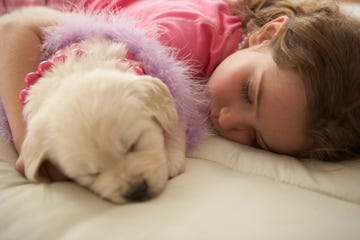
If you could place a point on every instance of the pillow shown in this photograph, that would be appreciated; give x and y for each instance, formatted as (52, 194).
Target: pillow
(337, 179)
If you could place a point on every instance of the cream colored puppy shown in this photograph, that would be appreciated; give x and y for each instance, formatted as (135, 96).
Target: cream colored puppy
(102, 125)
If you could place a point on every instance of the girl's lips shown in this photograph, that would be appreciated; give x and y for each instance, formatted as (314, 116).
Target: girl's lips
(214, 121)
(214, 118)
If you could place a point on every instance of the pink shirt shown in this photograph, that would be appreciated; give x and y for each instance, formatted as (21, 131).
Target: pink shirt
(204, 31)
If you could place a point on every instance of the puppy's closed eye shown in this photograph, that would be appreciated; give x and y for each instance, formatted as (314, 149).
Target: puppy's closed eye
(132, 147)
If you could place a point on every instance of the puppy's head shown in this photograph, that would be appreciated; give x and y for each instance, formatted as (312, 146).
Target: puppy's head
(103, 129)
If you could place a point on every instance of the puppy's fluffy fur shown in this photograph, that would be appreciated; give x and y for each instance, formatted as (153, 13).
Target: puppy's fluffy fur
(103, 126)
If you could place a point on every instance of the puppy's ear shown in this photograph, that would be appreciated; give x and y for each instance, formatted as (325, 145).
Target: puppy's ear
(33, 156)
(160, 103)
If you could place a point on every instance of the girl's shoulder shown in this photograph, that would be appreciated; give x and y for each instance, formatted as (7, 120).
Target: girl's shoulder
(202, 32)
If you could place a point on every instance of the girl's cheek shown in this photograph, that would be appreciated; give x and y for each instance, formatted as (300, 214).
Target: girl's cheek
(216, 84)
(217, 93)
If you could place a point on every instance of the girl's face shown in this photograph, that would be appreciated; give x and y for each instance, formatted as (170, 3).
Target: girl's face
(254, 102)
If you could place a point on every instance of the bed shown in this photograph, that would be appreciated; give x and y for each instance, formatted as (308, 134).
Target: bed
(228, 192)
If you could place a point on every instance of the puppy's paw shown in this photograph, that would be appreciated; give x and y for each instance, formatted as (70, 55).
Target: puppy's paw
(176, 167)
(175, 153)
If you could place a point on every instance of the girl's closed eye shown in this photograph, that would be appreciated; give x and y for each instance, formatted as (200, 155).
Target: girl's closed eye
(245, 92)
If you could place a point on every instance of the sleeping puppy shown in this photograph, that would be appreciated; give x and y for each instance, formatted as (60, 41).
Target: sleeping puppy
(110, 107)
(102, 124)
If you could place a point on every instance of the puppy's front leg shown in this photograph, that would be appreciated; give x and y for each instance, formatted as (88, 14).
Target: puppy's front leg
(175, 145)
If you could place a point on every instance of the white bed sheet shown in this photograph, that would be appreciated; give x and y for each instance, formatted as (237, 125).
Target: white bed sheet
(209, 201)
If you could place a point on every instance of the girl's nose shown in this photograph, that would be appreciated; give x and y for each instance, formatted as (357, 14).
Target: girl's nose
(235, 127)
(229, 119)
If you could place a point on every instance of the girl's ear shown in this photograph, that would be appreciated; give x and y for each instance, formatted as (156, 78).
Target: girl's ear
(269, 30)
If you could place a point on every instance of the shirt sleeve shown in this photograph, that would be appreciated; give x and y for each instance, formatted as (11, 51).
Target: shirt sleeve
(201, 32)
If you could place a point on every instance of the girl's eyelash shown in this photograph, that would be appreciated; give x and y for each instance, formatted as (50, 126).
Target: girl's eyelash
(245, 91)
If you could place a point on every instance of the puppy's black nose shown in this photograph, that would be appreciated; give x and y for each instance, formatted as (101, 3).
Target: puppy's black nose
(138, 192)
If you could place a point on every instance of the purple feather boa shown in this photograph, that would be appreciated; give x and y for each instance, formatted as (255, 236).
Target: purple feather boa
(159, 61)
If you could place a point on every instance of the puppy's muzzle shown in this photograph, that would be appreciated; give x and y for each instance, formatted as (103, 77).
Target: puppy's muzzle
(138, 192)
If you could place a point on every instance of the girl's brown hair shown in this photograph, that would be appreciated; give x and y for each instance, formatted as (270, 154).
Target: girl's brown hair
(322, 45)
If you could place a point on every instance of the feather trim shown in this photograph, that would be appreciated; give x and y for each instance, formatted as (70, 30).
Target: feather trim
(159, 61)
